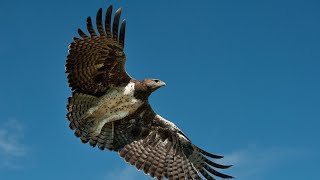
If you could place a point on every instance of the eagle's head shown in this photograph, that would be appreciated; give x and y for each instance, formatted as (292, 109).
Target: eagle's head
(153, 84)
(144, 88)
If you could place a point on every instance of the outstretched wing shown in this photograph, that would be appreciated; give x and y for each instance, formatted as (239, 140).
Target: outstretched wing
(160, 149)
(156, 146)
(97, 61)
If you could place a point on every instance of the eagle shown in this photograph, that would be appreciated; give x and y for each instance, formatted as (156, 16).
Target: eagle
(110, 110)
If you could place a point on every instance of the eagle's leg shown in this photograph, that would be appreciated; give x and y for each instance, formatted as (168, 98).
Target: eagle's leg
(89, 122)
(96, 125)
(86, 116)
(115, 117)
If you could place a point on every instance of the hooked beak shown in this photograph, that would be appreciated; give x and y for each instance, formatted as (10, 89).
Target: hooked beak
(162, 84)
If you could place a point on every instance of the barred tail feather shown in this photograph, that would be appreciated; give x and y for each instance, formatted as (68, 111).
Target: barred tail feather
(77, 106)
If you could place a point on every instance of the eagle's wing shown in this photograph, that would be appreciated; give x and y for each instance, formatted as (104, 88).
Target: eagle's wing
(160, 149)
(97, 61)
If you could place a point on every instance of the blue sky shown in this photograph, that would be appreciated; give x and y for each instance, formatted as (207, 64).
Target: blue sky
(242, 81)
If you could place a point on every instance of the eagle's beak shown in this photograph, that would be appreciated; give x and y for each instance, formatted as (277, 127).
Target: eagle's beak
(162, 83)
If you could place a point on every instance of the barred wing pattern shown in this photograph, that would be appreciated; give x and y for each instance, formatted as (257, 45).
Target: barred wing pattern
(97, 61)
(154, 146)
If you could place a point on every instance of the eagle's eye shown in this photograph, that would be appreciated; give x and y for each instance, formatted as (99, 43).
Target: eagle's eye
(156, 80)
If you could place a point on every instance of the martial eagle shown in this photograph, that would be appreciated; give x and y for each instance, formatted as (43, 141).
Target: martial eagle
(110, 109)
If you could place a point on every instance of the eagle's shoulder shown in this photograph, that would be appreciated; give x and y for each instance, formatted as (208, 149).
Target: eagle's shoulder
(162, 122)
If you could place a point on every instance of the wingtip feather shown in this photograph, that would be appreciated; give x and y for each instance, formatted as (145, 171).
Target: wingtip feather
(116, 24)
(122, 33)
(99, 22)
(108, 21)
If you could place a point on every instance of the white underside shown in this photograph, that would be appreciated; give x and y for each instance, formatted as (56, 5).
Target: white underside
(116, 104)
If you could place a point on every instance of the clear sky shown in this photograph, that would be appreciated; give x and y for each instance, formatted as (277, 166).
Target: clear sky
(242, 81)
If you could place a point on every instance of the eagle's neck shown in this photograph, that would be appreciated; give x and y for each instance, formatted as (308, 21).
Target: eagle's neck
(141, 91)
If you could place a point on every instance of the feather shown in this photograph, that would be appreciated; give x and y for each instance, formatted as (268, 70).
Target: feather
(205, 174)
(99, 23)
(209, 154)
(122, 33)
(216, 173)
(215, 164)
(116, 24)
(82, 34)
(108, 21)
(90, 27)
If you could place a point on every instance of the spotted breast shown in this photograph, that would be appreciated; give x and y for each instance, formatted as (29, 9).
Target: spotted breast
(94, 112)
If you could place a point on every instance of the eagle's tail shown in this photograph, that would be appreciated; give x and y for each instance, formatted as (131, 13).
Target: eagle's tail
(78, 105)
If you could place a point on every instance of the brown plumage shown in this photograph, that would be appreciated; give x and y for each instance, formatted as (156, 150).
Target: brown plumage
(110, 110)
